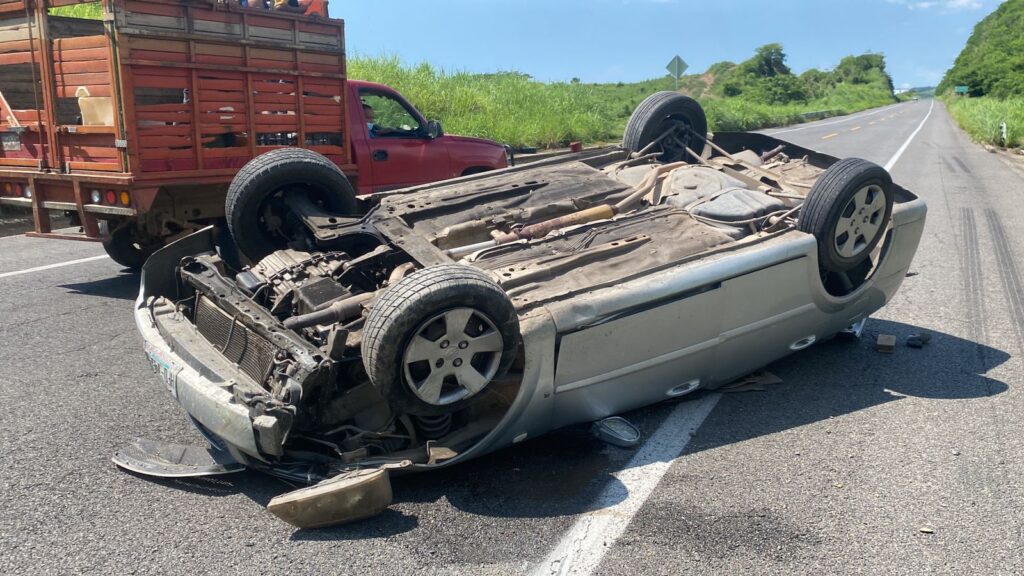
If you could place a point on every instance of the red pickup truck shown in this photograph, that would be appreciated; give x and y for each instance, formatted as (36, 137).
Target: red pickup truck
(136, 124)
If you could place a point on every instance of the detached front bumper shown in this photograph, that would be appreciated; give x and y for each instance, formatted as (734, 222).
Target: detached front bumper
(200, 391)
(194, 372)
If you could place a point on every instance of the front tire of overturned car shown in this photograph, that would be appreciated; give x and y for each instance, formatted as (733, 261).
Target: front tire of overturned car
(437, 338)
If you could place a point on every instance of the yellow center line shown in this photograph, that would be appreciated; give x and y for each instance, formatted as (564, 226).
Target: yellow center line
(855, 128)
(872, 123)
(832, 135)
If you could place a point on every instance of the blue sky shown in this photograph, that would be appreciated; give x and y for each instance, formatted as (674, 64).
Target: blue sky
(630, 40)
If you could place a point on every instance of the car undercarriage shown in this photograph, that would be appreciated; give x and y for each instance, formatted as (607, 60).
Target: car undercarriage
(430, 328)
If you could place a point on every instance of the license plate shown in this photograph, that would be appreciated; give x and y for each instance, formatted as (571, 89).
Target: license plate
(11, 142)
(164, 368)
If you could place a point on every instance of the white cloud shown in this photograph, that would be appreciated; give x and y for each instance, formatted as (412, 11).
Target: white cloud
(947, 5)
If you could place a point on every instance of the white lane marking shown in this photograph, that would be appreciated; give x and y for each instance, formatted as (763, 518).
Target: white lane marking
(839, 121)
(52, 266)
(896, 157)
(583, 547)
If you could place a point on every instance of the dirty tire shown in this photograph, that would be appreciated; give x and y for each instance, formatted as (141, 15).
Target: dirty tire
(123, 248)
(656, 114)
(825, 212)
(285, 170)
(400, 313)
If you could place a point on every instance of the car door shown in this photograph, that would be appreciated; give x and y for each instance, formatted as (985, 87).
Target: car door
(401, 152)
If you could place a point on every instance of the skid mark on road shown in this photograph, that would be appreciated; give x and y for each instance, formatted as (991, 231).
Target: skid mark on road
(973, 289)
(962, 166)
(1013, 286)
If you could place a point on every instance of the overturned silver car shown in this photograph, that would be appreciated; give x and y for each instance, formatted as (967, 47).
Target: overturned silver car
(453, 319)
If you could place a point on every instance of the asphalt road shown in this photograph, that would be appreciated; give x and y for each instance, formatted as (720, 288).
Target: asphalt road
(857, 463)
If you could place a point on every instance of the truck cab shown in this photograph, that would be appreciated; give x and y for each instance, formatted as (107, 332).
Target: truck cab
(136, 121)
(397, 147)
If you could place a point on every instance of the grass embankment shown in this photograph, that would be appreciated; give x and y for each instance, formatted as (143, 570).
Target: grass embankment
(514, 109)
(88, 11)
(507, 107)
(981, 117)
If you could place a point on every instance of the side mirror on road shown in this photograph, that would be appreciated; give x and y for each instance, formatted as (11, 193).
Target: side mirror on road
(434, 129)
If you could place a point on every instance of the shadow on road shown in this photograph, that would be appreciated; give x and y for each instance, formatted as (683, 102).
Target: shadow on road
(562, 473)
(124, 286)
(838, 378)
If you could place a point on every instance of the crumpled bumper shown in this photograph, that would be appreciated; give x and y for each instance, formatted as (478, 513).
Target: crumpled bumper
(198, 385)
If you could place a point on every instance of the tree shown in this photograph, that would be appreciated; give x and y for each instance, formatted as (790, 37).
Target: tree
(769, 60)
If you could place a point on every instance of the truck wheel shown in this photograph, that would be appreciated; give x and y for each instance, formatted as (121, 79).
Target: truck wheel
(124, 247)
(681, 117)
(438, 337)
(258, 219)
(847, 211)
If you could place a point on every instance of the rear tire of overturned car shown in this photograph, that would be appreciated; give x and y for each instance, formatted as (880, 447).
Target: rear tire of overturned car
(848, 211)
(680, 119)
(438, 337)
(256, 224)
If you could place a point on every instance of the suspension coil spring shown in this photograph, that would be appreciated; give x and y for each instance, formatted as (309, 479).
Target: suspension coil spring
(433, 427)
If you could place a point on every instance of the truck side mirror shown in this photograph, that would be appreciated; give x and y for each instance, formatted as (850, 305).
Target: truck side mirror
(434, 129)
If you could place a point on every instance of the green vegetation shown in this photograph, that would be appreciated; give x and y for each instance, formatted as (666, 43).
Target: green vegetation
(88, 11)
(513, 108)
(507, 106)
(980, 117)
(992, 62)
(991, 65)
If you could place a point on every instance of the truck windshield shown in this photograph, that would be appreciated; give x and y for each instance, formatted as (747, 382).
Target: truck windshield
(390, 117)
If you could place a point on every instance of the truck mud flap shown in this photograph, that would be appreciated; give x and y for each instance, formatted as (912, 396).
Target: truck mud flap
(166, 460)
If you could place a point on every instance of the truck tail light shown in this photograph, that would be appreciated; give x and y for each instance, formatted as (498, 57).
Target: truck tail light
(111, 197)
(8, 188)
(23, 190)
(126, 199)
(95, 197)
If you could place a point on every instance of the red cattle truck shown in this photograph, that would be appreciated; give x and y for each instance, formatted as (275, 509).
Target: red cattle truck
(135, 124)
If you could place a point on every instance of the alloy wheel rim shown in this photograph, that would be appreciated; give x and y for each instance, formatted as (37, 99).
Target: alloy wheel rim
(860, 221)
(452, 356)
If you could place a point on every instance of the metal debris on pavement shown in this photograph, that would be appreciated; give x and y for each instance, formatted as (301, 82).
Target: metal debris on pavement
(886, 343)
(919, 340)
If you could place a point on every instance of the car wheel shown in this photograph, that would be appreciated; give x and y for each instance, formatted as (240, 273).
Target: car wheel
(258, 218)
(123, 246)
(847, 211)
(436, 339)
(678, 120)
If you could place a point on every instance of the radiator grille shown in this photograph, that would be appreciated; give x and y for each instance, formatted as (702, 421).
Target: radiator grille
(253, 353)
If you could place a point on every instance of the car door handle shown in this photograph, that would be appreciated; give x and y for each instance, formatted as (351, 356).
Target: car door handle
(380, 155)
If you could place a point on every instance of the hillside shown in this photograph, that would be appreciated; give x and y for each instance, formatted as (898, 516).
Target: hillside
(991, 65)
(992, 62)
